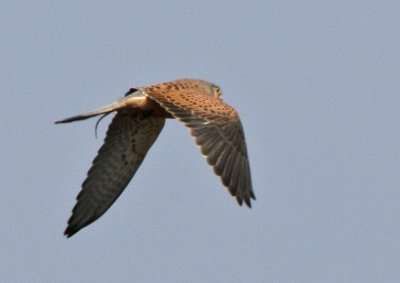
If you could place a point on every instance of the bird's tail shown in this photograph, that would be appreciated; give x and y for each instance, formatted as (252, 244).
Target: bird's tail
(123, 102)
(103, 110)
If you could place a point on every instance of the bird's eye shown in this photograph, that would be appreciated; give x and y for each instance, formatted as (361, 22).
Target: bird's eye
(217, 92)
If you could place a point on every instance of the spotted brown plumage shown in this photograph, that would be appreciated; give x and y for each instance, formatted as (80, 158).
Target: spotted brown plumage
(141, 114)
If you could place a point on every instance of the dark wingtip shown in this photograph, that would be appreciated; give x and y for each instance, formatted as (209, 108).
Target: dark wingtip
(252, 195)
(70, 231)
(246, 199)
(248, 202)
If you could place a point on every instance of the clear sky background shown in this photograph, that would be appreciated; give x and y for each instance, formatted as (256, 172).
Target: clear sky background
(317, 86)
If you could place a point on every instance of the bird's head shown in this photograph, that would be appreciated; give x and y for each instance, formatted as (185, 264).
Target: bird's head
(212, 89)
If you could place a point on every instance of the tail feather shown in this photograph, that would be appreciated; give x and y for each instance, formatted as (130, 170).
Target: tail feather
(103, 110)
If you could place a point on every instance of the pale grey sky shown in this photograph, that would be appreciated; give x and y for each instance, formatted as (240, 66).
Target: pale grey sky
(317, 86)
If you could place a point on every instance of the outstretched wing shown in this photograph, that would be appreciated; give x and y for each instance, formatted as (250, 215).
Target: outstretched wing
(129, 137)
(218, 131)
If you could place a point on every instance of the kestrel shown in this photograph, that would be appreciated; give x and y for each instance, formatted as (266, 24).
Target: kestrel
(140, 117)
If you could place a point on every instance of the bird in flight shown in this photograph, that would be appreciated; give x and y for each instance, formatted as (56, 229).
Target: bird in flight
(140, 117)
